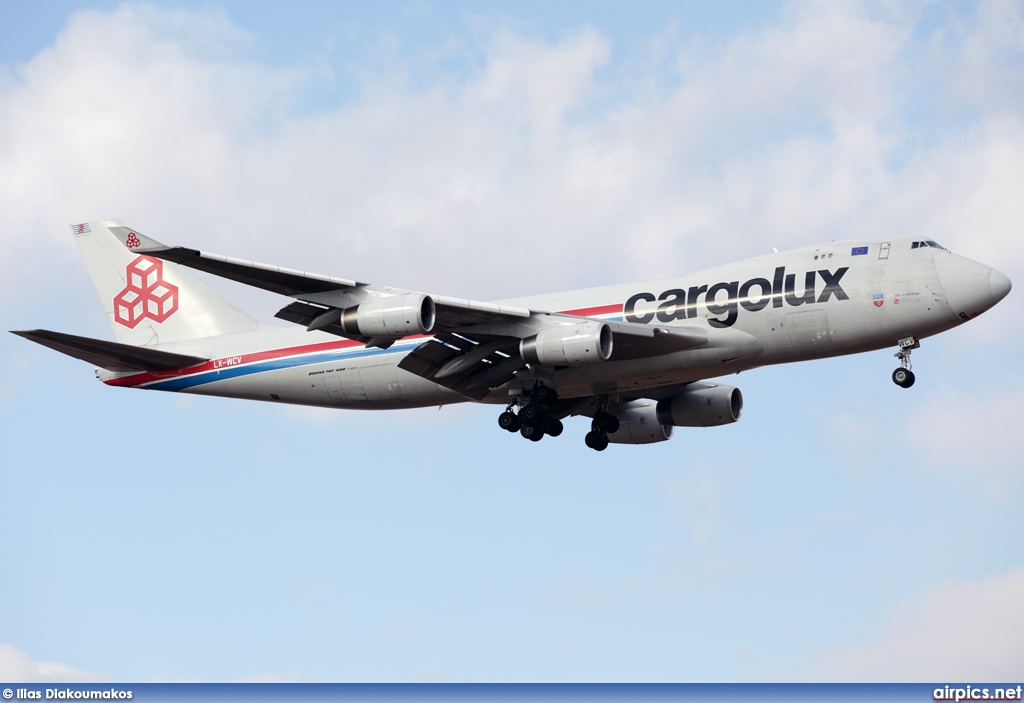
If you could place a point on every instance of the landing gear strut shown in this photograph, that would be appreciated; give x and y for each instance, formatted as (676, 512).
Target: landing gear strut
(903, 376)
(604, 424)
(532, 420)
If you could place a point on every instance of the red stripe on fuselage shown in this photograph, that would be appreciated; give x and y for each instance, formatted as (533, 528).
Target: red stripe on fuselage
(599, 310)
(243, 359)
(214, 364)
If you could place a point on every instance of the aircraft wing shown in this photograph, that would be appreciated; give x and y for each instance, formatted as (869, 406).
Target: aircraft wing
(273, 278)
(471, 361)
(319, 292)
(474, 345)
(635, 341)
(451, 313)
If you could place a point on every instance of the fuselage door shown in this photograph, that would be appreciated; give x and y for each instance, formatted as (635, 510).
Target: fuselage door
(380, 382)
(332, 382)
(883, 251)
(345, 384)
(808, 329)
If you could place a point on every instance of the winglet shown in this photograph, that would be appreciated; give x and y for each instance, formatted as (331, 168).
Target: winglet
(135, 241)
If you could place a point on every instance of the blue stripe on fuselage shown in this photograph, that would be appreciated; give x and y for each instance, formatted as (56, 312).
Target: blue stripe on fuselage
(200, 379)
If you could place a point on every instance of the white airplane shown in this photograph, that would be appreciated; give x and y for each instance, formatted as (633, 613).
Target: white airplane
(635, 358)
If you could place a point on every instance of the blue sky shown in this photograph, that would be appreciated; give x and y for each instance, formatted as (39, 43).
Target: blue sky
(844, 529)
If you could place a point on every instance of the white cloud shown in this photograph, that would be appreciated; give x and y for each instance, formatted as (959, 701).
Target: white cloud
(535, 81)
(953, 631)
(547, 167)
(530, 164)
(16, 666)
(989, 61)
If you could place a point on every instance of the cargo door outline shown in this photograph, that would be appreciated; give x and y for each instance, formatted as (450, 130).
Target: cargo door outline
(380, 382)
(345, 384)
(808, 328)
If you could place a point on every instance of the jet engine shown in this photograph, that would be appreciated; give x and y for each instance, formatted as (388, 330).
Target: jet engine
(702, 405)
(639, 423)
(392, 316)
(569, 345)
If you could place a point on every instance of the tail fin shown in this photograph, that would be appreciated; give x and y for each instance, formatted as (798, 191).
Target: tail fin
(149, 301)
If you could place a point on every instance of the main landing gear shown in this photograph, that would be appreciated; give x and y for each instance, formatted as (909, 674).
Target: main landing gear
(532, 421)
(903, 376)
(604, 423)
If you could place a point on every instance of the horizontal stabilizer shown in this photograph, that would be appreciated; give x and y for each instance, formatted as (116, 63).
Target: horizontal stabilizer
(110, 355)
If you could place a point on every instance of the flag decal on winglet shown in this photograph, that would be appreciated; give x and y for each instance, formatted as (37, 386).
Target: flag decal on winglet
(80, 229)
(859, 251)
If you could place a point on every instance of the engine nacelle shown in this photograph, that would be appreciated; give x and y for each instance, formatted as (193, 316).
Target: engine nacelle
(702, 405)
(569, 345)
(639, 424)
(393, 316)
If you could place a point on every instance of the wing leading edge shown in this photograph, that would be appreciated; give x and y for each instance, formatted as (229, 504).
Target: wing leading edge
(474, 345)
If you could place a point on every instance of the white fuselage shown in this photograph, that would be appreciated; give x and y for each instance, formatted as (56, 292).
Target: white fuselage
(816, 302)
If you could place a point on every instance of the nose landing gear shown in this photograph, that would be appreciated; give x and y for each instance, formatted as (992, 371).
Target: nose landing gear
(903, 376)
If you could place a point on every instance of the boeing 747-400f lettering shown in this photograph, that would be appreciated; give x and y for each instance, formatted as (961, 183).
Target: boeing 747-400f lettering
(634, 358)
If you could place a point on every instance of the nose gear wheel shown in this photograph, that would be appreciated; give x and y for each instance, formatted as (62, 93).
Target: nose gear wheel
(903, 376)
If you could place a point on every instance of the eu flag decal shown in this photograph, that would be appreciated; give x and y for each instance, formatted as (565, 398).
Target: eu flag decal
(859, 251)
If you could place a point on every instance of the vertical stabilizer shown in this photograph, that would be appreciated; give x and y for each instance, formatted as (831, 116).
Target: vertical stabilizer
(149, 301)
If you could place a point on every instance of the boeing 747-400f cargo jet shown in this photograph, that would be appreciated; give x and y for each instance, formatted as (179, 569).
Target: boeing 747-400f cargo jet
(635, 358)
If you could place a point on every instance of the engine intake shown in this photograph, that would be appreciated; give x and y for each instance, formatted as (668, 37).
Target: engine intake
(569, 345)
(640, 424)
(392, 316)
(702, 405)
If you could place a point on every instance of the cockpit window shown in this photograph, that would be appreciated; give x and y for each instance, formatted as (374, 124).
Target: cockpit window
(926, 243)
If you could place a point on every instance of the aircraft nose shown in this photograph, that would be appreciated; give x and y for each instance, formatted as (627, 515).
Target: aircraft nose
(999, 284)
(971, 288)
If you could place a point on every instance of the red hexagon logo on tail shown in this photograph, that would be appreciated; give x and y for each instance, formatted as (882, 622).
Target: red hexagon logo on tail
(147, 294)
